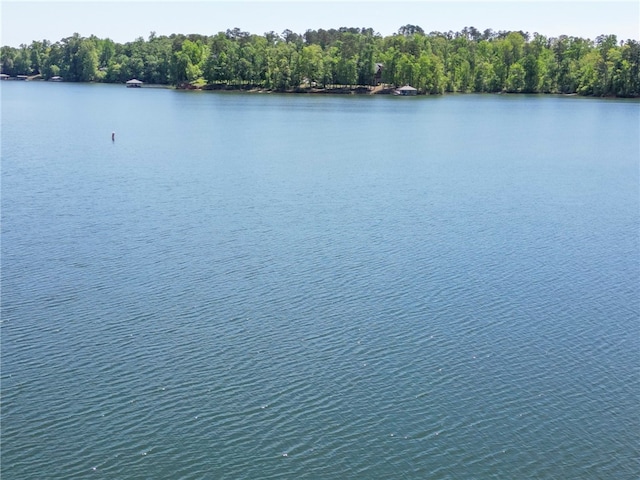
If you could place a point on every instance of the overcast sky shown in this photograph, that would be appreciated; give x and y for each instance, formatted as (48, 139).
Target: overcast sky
(123, 21)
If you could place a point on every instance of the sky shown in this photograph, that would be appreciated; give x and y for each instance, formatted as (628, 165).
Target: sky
(123, 21)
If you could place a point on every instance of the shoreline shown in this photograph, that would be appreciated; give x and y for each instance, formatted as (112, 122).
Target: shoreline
(384, 89)
(360, 90)
(342, 90)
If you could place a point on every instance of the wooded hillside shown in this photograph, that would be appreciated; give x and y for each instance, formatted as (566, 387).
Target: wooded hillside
(436, 62)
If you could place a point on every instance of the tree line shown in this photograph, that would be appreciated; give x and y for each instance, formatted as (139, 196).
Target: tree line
(435, 63)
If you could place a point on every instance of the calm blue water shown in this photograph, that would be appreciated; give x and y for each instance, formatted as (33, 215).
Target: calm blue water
(250, 286)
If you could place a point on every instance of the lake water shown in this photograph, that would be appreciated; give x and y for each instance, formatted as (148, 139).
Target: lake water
(248, 286)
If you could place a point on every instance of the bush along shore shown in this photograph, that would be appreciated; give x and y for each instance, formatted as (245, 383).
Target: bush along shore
(344, 60)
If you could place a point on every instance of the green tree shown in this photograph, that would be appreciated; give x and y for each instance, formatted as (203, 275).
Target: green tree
(311, 61)
(38, 53)
(485, 78)
(546, 67)
(189, 61)
(516, 81)
(407, 70)
(7, 60)
(531, 74)
(22, 61)
(107, 52)
(87, 61)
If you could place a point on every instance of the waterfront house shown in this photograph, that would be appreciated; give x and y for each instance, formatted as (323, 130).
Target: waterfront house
(134, 83)
(377, 76)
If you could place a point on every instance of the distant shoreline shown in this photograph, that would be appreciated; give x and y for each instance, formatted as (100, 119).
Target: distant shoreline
(361, 90)
(344, 61)
(337, 90)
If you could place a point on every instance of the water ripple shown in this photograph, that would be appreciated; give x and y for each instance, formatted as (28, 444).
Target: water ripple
(394, 310)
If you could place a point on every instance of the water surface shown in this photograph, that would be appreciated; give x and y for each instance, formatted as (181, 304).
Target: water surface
(293, 286)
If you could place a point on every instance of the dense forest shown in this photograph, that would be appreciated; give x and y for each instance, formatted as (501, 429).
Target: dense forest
(436, 62)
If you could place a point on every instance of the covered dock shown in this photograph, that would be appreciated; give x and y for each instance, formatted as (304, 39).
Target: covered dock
(134, 83)
(406, 91)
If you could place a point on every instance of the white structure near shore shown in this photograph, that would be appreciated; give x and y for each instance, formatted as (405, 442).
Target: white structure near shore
(406, 91)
